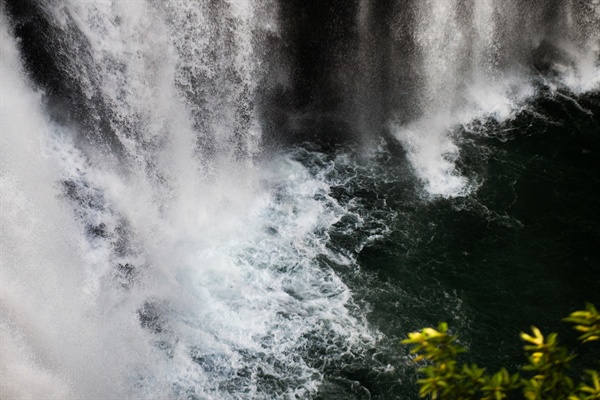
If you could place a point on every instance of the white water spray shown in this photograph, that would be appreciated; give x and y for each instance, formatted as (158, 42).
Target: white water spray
(475, 62)
(165, 276)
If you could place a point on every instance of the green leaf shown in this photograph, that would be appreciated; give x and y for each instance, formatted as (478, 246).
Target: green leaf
(445, 378)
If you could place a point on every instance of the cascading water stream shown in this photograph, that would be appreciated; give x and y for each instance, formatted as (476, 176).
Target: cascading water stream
(478, 60)
(164, 234)
(182, 278)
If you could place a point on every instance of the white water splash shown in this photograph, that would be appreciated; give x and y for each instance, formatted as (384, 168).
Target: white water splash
(475, 64)
(157, 278)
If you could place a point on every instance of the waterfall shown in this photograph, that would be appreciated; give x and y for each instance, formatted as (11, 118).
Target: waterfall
(166, 230)
(148, 253)
(480, 59)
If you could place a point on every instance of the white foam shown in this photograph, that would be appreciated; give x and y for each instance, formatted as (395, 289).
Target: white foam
(432, 153)
(49, 331)
(225, 288)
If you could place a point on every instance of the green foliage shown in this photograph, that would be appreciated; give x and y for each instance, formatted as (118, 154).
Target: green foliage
(587, 321)
(545, 376)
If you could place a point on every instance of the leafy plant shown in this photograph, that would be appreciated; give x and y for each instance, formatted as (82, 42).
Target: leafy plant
(545, 376)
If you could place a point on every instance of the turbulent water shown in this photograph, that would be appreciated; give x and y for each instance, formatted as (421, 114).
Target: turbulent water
(235, 199)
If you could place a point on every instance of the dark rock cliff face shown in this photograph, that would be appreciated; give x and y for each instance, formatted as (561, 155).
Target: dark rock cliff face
(54, 57)
(317, 38)
(350, 65)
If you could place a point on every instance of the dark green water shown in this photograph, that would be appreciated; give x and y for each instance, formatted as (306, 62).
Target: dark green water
(522, 249)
